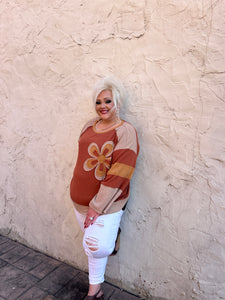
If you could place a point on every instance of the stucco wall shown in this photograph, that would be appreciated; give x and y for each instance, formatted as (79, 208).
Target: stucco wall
(171, 56)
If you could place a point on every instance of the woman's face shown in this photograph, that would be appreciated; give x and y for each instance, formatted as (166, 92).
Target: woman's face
(105, 106)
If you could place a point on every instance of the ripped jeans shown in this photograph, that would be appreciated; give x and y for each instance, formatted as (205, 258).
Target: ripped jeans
(99, 242)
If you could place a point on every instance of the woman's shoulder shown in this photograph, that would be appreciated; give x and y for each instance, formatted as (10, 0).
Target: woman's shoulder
(127, 136)
(89, 123)
(126, 128)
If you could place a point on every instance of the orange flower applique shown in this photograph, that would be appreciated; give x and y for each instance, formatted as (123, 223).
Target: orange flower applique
(100, 160)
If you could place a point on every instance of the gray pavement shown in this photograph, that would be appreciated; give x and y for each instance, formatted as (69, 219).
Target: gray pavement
(26, 274)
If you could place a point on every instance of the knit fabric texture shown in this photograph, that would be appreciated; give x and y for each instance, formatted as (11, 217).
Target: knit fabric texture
(105, 164)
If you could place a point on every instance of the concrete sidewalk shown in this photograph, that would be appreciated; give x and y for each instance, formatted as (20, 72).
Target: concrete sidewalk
(26, 274)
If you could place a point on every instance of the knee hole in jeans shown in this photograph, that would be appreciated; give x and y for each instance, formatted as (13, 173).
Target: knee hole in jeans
(92, 243)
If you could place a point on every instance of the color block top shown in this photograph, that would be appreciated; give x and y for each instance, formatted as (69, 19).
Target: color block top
(105, 165)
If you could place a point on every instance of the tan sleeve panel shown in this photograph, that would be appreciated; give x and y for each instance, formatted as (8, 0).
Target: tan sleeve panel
(104, 199)
(127, 137)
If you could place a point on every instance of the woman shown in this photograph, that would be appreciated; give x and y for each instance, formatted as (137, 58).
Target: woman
(108, 149)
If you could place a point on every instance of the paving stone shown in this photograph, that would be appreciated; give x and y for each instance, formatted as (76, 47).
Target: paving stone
(34, 293)
(46, 266)
(71, 292)
(108, 290)
(14, 282)
(2, 263)
(3, 239)
(76, 289)
(49, 297)
(35, 259)
(58, 278)
(6, 246)
(35, 276)
(15, 253)
(82, 280)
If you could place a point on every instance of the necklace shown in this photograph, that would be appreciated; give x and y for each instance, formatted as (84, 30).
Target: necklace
(117, 122)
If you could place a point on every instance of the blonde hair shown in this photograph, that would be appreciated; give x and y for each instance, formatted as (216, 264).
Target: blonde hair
(112, 84)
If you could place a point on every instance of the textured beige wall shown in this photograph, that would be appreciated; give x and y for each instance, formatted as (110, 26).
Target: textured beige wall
(171, 55)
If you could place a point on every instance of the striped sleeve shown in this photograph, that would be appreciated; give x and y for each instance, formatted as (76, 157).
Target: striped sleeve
(116, 185)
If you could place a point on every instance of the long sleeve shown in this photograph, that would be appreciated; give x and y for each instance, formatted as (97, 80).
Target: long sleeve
(114, 189)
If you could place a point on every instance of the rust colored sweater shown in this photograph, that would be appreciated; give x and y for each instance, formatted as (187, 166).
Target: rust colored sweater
(105, 165)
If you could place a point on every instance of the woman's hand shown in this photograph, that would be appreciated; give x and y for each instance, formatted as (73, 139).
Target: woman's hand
(90, 218)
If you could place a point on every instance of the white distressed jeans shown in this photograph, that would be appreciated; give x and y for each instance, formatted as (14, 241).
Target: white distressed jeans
(99, 242)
